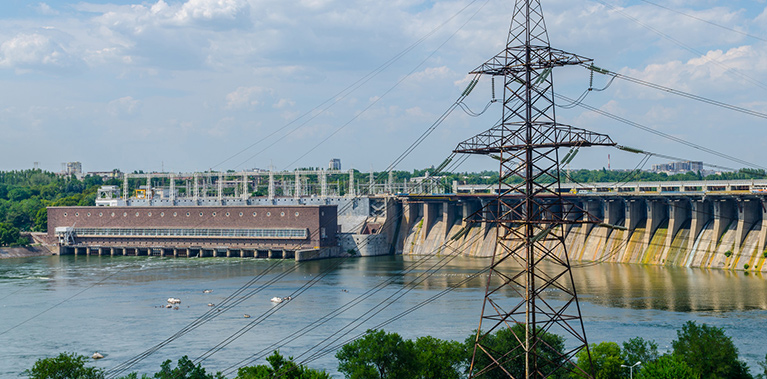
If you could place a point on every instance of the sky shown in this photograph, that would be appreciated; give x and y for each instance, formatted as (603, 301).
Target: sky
(193, 85)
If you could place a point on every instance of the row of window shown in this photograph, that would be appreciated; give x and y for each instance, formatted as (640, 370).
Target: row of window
(185, 232)
(175, 214)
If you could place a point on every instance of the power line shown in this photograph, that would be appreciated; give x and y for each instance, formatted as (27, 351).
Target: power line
(662, 134)
(339, 96)
(678, 93)
(684, 46)
(396, 84)
(706, 21)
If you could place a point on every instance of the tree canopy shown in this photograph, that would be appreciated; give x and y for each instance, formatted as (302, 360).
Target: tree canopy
(709, 352)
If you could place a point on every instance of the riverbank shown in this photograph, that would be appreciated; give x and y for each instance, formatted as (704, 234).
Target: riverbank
(23, 252)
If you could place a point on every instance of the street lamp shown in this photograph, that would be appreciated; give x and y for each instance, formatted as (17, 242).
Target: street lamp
(631, 368)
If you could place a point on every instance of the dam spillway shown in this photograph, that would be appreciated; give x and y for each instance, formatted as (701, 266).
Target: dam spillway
(723, 230)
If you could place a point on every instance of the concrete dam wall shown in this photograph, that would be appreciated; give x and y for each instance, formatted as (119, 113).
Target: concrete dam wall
(724, 232)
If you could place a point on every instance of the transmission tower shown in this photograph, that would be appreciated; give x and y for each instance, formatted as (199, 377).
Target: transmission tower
(530, 284)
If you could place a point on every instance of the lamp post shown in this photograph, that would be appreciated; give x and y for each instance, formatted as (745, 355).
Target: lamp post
(631, 369)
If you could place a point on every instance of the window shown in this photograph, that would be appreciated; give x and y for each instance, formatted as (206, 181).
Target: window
(186, 232)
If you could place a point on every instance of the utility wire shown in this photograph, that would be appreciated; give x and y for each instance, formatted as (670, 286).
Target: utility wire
(396, 84)
(678, 93)
(59, 303)
(661, 134)
(706, 21)
(338, 97)
(688, 48)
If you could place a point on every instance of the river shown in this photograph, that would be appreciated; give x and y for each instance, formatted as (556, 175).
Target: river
(115, 305)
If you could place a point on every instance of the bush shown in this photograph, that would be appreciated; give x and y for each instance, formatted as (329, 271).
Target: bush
(728, 253)
(550, 350)
(709, 352)
(745, 266)
(65, 366)
(667, 367)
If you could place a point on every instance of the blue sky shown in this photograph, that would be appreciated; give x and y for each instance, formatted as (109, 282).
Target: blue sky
(186, 85)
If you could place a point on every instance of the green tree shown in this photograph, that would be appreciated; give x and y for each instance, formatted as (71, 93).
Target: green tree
(19, 194)
(9, 234)
(709, 352)
(41, 220)
(763, 366)
(377, 355)
(638, 349)
(439, 359)
(606, 359)
(185, 369)
(279, 367)
(64, 366)
(667, 366)
(550, 349)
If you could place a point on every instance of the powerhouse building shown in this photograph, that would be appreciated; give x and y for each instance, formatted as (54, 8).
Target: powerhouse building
(245, 231)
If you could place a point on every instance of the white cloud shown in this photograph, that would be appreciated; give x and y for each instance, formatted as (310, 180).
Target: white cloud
(33, 51)
(211, 10)
(124, 107)
(46, 9)
(246, 97)
(282, 103)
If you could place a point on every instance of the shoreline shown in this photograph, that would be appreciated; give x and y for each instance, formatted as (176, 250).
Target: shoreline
(24, 252)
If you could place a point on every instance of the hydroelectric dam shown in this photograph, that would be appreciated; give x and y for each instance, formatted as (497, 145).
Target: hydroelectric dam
(707, 224)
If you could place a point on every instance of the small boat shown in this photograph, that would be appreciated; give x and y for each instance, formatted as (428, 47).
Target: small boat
(174, 300)
(97, 355)
(211, 305)
(277, 299)
(168, 306)
(247, 315)
(287, 298)
(207, 291)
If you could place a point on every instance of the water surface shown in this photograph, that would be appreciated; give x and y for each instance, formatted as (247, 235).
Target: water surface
(115, 305)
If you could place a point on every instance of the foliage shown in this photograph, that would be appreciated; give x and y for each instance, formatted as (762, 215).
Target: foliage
(279, 367)
(64, 366)
(10, 236)
(550, 348)
(606, 359)
(24, 196)
(667, 367)
(185, 369)
(638, 349)
(709, 352)
(377, 355)
(382, 355)
(439, 359)
(763, 366)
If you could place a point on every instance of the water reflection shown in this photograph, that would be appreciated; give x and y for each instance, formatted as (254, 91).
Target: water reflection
(626, 285)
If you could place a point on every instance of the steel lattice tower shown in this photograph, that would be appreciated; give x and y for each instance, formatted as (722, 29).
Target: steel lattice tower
(530, 215)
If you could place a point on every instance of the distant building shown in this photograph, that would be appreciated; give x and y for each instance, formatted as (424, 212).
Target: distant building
(74, 168)
(335, 164)
(106, 175)
(678, 167)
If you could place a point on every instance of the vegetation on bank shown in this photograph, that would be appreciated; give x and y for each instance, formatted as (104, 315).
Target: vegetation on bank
(700, 351)
(24, 195)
